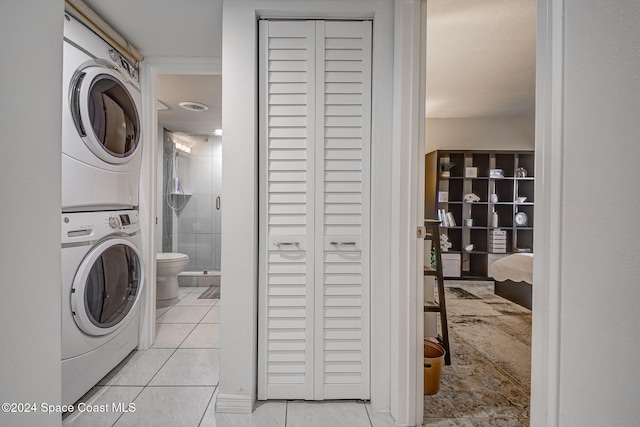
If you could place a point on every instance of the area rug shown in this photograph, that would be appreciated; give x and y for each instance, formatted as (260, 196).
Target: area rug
(213, 292)
(488, 381)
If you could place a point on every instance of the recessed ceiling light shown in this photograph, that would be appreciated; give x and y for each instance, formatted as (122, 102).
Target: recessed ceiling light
(193, 106)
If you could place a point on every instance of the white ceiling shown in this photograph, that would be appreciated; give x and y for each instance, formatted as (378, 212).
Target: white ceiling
(480, 54)
(166, 27)
(480, 58)
(172, 89)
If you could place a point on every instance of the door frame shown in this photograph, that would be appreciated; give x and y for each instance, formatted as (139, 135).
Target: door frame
(150, 70)
(407, 381)
(315, 247)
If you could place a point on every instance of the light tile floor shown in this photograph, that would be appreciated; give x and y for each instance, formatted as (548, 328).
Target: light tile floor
(174, 383)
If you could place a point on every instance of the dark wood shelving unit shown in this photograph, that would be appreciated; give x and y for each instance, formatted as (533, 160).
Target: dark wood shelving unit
(475, 263)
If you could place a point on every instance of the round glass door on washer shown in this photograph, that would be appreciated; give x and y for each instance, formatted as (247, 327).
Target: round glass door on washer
(106, 287)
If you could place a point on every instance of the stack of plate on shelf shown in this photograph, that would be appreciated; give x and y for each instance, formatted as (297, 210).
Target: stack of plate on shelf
(498, 241)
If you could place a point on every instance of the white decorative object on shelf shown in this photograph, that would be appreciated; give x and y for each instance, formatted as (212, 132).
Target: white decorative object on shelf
(471, 197)
(521, 173)
(498, 241)
(445, 244)
(471, 172)
(496, 173)
(521, 219)
(443, 196)
(469, 247)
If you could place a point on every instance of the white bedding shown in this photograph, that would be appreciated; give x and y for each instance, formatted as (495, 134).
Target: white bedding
(516, 267)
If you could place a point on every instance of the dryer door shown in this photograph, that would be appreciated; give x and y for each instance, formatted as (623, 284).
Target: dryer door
(106, 287)
(105, 114)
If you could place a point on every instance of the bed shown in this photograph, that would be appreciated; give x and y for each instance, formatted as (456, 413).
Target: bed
(513, 276)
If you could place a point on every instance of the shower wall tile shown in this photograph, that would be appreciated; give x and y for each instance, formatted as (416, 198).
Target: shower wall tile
(202, 149)
(215, 218)
(205, 175)
(188, 215)
(187, 225)
(204, 208)
(216, 143)
(217, 175)
(192, 228)
(186, 171)
(204, 251)
(217, 245)
(167, 244)
(187, 245)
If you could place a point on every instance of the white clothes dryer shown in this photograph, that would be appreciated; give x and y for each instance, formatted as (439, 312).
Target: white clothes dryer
(101, 127)
(102, 279)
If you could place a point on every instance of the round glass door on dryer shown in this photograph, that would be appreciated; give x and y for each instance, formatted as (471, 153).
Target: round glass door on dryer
(105, 114)
(101, 130)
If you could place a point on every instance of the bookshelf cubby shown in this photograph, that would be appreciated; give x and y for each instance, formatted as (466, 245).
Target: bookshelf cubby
(506, 189)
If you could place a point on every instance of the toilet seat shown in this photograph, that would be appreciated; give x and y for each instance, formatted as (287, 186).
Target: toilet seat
(170, 257)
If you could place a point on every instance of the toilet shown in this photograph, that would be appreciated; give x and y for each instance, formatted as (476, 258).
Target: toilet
(168, 265)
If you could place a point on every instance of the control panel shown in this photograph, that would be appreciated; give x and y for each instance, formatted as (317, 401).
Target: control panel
(123, 64)
(89, 226)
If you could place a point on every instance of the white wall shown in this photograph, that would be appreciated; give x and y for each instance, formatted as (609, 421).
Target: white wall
(238, 356)
(30, 112)
(599, 377)
(492, 133)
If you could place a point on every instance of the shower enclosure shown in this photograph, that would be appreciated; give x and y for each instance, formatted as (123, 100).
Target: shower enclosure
(189, 202)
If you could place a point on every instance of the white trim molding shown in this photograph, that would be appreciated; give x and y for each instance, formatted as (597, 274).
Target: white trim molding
(238, 352)
(545, 342)
(407, 214)
(151, 68)
(231, 403)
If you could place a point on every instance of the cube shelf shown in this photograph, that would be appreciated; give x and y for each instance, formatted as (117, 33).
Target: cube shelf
(497, 193)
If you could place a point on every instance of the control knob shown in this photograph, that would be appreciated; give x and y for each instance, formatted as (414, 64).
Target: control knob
(114, 222)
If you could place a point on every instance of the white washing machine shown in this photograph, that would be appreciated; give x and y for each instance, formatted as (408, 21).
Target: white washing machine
(102, 280)
(101, 128)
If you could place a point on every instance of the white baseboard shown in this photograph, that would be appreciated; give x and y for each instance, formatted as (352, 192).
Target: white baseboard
(231, 403)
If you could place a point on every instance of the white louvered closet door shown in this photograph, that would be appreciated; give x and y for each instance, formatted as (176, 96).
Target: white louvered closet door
(315, 83)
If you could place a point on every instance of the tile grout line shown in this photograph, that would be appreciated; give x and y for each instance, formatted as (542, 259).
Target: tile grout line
(368, 415)
(132, 401)
(215, 388)
(286, 412)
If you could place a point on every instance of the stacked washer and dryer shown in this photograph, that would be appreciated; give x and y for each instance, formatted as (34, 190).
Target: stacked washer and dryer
(102, 266)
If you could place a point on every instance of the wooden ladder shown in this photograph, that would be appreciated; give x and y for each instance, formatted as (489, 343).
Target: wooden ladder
(433, 234)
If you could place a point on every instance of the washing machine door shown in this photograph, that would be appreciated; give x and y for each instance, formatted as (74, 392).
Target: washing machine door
(106, 287)
(105, 113)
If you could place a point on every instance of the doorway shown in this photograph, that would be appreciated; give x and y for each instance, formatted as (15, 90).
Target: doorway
(467, 109)
(189, 172)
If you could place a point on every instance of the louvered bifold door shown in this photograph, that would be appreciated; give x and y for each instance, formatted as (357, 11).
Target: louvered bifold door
(343, 99)
(314, 210)
(287, 168)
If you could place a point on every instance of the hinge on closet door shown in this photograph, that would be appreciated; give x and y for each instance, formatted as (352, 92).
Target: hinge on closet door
(422, 232)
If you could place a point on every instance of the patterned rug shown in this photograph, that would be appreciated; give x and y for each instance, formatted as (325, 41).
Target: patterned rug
(488, 381)
(213, 292)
